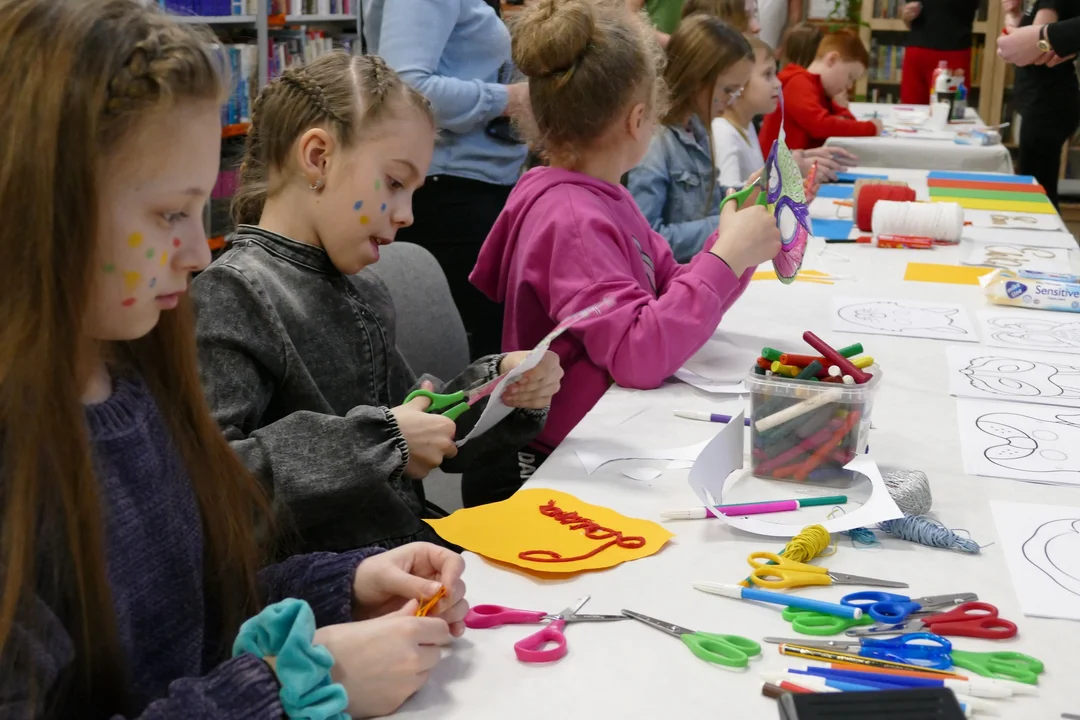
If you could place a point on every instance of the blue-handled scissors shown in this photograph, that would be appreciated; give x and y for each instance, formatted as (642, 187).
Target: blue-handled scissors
(924, 649)
(893, 609)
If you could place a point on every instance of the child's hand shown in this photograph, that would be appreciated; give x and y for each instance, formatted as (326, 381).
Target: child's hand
(382, 662)
(830, 160)
(430, 436)
(878, 124)
(747, 237)
(386, 582)
(536, 387)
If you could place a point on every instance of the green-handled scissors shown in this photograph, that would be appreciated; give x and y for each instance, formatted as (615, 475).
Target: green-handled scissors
(740, 197)
(729, 651)
(1000, 664)
(811, 622)
(457, 402)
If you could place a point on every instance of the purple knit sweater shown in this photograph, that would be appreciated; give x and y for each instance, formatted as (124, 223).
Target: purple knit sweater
(155, 555)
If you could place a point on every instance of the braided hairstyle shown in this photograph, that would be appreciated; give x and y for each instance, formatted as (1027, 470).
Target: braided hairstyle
(348, 95)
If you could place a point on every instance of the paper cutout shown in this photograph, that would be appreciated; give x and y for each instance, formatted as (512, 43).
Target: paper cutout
(1013, 375)
(551, 532)
(1037, 443)
(1017, 257)
(829, 229)
(1041, 544)
(721, 457)
(643, 474)
(950, 274)
(1013, 187)
(1031, 330)
(596, 452)
(1021, 237)
(787, 203)
(495, 411)
(906, 318)
(999, 219)
(710, 386)
(1014, 206)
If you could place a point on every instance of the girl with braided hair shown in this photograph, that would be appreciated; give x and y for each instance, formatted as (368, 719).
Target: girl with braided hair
(297, 346)
(128, 528)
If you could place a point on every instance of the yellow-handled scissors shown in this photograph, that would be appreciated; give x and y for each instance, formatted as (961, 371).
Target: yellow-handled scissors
(776, 571)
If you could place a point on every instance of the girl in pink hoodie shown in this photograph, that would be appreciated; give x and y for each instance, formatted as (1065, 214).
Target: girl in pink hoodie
(571, 235)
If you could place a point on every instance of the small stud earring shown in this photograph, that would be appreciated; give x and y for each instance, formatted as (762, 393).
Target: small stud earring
(317, 185)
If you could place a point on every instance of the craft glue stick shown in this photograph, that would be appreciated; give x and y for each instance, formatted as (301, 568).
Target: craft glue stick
(799, 409)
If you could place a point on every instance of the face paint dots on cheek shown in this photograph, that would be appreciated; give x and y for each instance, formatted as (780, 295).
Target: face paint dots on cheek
(153, 281)
(378, 184)
(359, 204)
(149, 253)
(108, 268)
(135, 239)
(131, 280)
(383, 208)
(128, 302)
(164, 258)
(364, 219)
(176, 242)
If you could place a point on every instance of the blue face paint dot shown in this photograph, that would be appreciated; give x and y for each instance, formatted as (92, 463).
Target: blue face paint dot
(359, 204)
(153, 282)
(384, 207)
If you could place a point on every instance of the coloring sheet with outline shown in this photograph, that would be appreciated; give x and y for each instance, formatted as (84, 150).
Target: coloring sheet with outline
(1013, 375)
(1002, 220)
(1042, 549)
(1037, 330)
(1037, 443)
(1013, 256)
(1026, 238)
(902, 318)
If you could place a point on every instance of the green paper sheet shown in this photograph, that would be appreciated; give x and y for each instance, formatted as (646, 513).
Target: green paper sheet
(936, 192)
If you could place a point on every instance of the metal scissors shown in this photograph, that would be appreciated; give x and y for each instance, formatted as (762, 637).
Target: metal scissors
(971, 619)
(924, 649)
(531, 649)
(455, 403)
(812, 622)
(729, 651)
(892, 609)
(790, 573)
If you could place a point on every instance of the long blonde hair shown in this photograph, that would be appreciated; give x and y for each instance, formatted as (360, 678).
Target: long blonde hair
(79, 77)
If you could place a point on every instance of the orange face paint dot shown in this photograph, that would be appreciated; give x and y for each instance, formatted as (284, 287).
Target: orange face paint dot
(131, 280)
(164, 258)
(129, 302)
(135, 239)
(364, 219)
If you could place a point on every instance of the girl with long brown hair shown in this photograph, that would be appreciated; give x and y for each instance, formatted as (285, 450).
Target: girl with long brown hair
(128, 528)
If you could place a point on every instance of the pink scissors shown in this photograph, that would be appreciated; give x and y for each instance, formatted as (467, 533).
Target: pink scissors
(531, 649)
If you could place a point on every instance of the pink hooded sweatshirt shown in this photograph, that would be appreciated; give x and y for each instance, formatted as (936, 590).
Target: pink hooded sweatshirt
(565, 241)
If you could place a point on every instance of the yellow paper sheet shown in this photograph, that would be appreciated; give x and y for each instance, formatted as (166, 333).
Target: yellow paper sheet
(954, 274)
(1041, 208)
(536, 530)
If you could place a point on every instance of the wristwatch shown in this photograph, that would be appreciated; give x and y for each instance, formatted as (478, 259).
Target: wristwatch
(1044, 44)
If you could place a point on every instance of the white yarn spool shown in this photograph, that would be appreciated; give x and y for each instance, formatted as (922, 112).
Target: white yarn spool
(939, 221)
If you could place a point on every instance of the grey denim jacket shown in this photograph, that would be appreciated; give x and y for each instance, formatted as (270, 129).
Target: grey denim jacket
(300, 368)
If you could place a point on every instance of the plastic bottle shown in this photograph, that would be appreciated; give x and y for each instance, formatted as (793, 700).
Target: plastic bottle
(959, 108)
(944, 90)
(941, 69)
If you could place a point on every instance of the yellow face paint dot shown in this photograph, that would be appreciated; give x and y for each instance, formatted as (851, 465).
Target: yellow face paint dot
(135, 240)
(164, 257)
(364, 219)
(131, 280)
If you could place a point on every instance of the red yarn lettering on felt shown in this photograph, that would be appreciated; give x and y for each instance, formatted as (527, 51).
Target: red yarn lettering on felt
(593, 531)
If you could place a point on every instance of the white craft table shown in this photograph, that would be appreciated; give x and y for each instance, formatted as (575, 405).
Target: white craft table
(899, 151)
(627, 670)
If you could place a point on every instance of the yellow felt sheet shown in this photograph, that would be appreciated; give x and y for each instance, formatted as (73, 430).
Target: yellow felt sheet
(954, 274)
(1042, 207)
(533, 530)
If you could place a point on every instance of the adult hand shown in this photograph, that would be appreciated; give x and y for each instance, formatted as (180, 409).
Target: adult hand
(1012, 10)
(430, 436)
(910, 11)
(1021, 46)
(382, 662)
(384, 583)
(517, 102)
(535, 388)
(1057, 60)
(747, 237)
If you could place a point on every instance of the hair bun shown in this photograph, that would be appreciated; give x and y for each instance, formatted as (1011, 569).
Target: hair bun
(552, 36)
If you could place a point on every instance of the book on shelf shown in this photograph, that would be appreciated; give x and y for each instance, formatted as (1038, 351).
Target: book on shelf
(299, 47)
(313, 7)
(887, 61)
(243, 67)
(893, 9)
(210, 8)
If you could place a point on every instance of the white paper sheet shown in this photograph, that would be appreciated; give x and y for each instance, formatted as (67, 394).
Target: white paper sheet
(1025, 237)
(1002, 220)
(710, 386)
(595, 452)
(1037, 443)
(727, 358)
(1013, 375)
(1042, 549)
(722, 456)
(642, 474)
(902, 318)
(1012, 256)
(1038, 330)
(877, 507)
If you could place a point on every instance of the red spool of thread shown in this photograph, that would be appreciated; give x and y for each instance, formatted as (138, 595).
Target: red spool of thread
(870, 194)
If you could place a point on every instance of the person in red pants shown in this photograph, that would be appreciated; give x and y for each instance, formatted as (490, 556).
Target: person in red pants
(940, 30)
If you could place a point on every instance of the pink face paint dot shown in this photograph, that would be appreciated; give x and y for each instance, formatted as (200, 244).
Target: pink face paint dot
(128, 302)
(358, 204)
(176, 242)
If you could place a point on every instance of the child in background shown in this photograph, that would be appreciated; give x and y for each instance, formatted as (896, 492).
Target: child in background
(297, 344)
(738, 153)
(811, 115)
(739, 14)
(800, 45)
(708, 63)
(129, 548)
(571, 236)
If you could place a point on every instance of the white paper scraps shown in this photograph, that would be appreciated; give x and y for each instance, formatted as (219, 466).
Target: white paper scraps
(877, 507)
(1041, 330)
(710, 386)
(593, 452)
(1013, 375)
(1000, 220)
(727, 357)
(1011, 256)
(1027, 238)
(902, 318)
(1042, 549)
(722, 456)
(680, 465)
(643, 474)
(1037, 443)
(495, 411)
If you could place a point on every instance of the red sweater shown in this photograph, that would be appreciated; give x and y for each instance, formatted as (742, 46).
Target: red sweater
(811, 117)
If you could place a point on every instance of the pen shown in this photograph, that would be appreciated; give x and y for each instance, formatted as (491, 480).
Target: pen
(707, 417)
(753, 508)
(796, 601)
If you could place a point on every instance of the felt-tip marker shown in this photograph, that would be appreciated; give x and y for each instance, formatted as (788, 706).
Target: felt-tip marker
(754, 508)
(707, 417)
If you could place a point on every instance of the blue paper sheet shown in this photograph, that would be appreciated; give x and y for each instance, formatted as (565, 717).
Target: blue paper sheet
(832, 229)
(981, 177)
(846, 177)
(836, 190)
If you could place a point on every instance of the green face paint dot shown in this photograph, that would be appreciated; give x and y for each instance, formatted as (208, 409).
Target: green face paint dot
(109, 268)
(378, 184)
(150, 253)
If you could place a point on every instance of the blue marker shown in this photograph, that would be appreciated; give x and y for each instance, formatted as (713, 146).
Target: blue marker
(736, 591)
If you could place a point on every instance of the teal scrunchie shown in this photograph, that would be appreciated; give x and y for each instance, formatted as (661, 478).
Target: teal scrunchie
(285, 630)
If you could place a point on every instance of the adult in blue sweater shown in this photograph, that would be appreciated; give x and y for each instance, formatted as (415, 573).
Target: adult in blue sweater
(131, 579)
(457, 53)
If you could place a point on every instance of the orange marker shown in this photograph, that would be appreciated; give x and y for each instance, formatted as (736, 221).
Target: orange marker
(843, 203)
(427, 606)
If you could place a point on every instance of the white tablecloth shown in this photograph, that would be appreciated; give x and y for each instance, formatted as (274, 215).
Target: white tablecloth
(627, 670)
(913, 152)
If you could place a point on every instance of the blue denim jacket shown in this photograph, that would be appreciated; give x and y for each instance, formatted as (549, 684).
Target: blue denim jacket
(672, 184)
